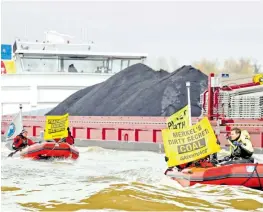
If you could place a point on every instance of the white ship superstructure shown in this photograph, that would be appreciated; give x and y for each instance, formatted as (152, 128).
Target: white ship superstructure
(47, 72)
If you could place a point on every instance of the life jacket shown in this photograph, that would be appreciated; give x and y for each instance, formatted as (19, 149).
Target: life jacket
(244, 139)
(205, 164)
(202, 163)
(70, 139)
(183, 166)
(21, 141)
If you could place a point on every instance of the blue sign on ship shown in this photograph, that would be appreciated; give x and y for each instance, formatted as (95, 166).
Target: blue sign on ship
(225, 75)
(6, 52)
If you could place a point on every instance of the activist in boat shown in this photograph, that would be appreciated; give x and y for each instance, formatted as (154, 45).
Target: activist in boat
(241, 147)
(69, 139)
(241, 151)
(21, 141)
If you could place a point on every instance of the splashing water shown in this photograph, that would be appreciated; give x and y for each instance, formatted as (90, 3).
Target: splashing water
(109, 180)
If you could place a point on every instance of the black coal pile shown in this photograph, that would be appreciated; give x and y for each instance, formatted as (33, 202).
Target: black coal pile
(137, 91)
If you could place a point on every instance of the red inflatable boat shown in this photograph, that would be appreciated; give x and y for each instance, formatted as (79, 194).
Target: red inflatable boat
(249, 175)
(48, 150)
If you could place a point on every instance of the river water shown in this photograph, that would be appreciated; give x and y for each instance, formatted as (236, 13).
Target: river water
(109, 180)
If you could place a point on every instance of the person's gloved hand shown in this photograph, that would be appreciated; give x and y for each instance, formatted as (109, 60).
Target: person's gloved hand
(227, 158)
(214, 161)
(236, 143)
(237, 152)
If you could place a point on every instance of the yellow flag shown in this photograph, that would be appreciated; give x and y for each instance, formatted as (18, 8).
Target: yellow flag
(258, 78)
(179, 120)
(56, 127)
(10, 66)
(190, 144)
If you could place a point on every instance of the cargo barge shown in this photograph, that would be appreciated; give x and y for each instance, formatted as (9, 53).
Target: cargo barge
(226, 106)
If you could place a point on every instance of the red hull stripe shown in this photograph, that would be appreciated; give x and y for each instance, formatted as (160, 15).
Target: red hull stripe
(198, 179)
(50, 149)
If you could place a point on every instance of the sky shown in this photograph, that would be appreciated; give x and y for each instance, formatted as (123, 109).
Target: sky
(185, 31)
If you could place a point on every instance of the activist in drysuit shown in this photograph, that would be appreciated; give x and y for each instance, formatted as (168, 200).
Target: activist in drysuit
(240, 145)
(21, 141)
(70, 139)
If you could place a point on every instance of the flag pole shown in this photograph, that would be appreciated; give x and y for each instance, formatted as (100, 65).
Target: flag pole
(20, 113)
(188, 85)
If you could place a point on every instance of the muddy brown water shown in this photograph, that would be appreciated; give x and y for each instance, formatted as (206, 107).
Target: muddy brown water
(109, 180)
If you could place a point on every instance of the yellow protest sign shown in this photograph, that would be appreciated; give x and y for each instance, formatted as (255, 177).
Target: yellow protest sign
(179, 120)
(189, 144)
(56, 127)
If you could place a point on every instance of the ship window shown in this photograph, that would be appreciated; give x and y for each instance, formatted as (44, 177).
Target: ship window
(44, 64)
(64, 64)
(82, 66)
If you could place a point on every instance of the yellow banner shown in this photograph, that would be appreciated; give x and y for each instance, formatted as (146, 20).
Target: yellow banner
(56, 127)
(179, 120)
(190, 144)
